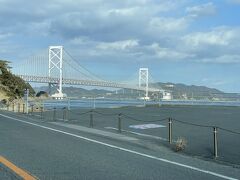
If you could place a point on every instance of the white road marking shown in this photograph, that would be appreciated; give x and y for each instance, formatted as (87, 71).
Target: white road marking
(125, 150)
(140, 134)
(146, 126)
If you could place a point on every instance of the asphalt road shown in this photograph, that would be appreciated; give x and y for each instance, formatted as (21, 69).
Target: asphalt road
(49, 151)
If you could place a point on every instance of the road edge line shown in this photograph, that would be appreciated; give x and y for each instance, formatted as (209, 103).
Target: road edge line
(126, 150)
(20, 172)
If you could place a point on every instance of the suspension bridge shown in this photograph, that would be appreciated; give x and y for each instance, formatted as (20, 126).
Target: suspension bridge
(57, 67)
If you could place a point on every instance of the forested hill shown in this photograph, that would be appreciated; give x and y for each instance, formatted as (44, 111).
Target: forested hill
(178, 91)
(181, 91)
(11, 86)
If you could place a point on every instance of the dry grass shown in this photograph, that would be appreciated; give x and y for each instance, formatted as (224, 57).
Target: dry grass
(181, 144)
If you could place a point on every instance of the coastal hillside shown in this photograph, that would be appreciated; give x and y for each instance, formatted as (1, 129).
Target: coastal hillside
(77, 92)
(11, 86)
(182, 91)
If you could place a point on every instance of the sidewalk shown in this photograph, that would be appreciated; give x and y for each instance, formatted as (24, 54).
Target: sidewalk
(97, 132)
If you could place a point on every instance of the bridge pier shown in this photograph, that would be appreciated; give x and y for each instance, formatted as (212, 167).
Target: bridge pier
(143, 81)
(56, 66)
(49, 89)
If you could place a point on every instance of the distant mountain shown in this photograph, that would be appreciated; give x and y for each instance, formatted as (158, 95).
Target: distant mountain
(77, 92)
(80, 92)
(178, 91)
(182, 91)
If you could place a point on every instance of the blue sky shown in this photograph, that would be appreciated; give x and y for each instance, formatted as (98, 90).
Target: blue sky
(180, 41)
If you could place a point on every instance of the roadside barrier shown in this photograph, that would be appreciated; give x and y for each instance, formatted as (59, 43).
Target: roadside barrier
(215, 144)
(91, 118)
(23, 108)
(170, 130)
(41, 110)
(230, 131)
(65, 114)
(54, 114)
(216, 132)
(119, 122)
(105, 114)
(32, 108)
(19, 106)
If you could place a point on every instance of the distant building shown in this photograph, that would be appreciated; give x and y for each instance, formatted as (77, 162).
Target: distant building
(167, 96)
(169, 85)
(59, 95)
(184, 96)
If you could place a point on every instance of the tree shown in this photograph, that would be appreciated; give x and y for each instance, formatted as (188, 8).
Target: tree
(13, 85)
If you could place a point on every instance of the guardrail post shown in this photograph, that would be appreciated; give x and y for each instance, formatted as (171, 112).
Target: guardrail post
(54, 114)
(215, 142)
(119, 123)
(32, 109)
(91, 118)
(41, 112)
(19, 106)
(64, 113)
(170, 130)
(69, 104)
(13, 107)
(8, 106)
(23, 108)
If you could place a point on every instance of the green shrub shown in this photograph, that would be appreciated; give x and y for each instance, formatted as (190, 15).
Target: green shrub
(14, 86)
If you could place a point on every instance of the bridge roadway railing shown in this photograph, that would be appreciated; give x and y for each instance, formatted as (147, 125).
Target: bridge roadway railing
(40, 79)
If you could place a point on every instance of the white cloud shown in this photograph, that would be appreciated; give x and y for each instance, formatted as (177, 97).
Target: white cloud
(223, 59)
(40, 28)
(123, 12)
(97, 20)
(118, 45)
(128, 27)
(169, 25)
(218, 37)
(168, 54)
(202, 10)
(79, 41)
(219, 45)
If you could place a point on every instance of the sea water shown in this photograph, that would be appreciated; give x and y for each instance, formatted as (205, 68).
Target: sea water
(110, 103)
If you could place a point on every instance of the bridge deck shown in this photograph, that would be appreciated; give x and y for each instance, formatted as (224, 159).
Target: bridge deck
(39, 79)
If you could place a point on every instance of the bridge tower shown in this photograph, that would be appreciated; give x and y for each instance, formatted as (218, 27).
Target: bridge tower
(55, 57)
(143, 80)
